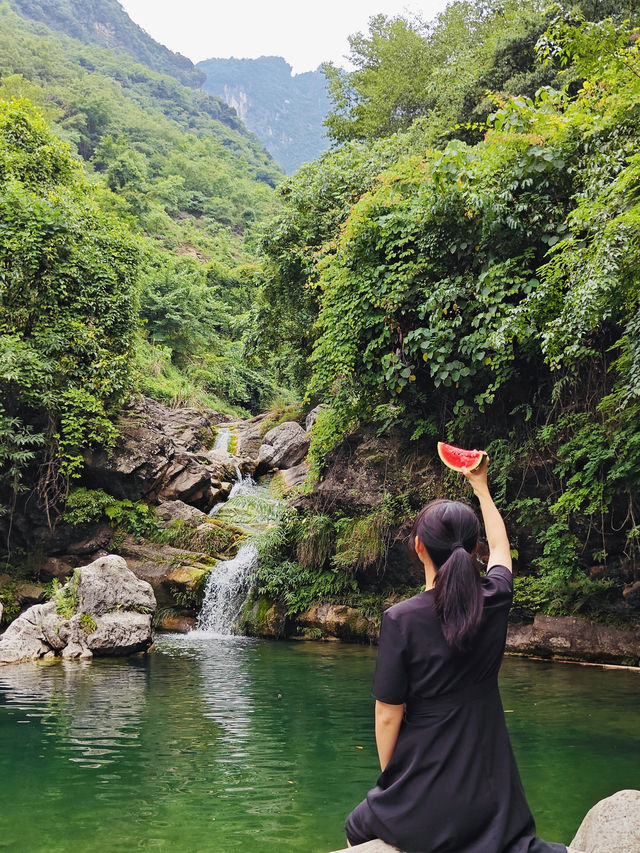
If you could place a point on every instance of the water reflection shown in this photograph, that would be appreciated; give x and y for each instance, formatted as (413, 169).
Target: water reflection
(232, 745)
(89, 711)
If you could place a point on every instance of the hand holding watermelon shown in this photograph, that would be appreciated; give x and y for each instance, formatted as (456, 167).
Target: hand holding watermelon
(472, 463)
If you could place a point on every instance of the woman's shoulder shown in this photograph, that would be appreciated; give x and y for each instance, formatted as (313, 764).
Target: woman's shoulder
(497, 581)
(405, 609)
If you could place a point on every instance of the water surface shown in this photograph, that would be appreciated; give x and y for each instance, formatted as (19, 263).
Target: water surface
(240, 745)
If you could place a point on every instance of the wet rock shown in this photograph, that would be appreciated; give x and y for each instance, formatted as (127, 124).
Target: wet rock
(248, 435)
(112, 612)
(180, 511)
(263, 618)
(177, 624)
(573, 638)
(632, 595)
(612, 825)
(283, 446)
(338, 620)
(173, 573)
(74, 541)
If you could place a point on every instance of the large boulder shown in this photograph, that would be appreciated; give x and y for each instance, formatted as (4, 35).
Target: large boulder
(284, 446)
(160, 455)
(180, 511)
(103, 609)
(612, 825)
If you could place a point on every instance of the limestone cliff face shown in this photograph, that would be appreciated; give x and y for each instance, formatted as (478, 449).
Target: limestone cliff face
(284, 110)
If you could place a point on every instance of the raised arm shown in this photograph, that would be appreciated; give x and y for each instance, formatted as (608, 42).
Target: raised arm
(499, 548)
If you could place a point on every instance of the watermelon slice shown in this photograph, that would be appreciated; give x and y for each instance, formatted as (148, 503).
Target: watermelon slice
(458, 459)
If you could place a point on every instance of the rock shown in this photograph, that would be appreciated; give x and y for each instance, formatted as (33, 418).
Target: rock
(632, 595)
(338, 620)
(180, 511)
(376, 846)
(107, 584)
(573, 638)
(283, 446)
(112, 612)
(24, 639)
(177, 624)
(172, 572)
(29, 593)
(262, 618)
(160, 454)
(56, 568)
(292, 477)
(120, 633)
(611, 826)
(312, 417)
(1, 610)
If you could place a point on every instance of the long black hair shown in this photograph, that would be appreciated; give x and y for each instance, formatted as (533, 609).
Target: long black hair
(449, 531)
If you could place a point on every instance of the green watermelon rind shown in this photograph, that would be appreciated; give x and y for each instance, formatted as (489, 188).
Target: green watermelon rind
(442, 445)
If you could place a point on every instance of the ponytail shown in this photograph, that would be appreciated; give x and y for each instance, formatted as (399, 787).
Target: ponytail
(458, 599)
(449, 531)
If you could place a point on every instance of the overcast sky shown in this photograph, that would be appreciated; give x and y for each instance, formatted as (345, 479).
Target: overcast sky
(305, 33)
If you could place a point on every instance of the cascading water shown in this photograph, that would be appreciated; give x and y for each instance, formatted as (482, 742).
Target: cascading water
(223, 437)
(252, 507)
(227, 589)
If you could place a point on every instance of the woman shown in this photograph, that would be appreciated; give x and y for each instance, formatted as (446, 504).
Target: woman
(449, 781)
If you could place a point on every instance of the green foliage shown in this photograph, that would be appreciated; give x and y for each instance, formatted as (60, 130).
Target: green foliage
(296, 586)
(219, 540)
(10, 604)
(135, 517)
(67, 598)
(362, 542)
(88, 623)
(67, 303)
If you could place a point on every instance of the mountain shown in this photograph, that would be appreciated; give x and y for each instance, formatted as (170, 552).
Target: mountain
(284, 110)
(105, 23)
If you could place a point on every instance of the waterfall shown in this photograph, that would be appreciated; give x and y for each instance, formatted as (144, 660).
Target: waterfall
(226, 591)
(252, 507)
(223, 437)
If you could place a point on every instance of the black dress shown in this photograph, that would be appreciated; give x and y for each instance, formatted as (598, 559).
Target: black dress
(452, 785)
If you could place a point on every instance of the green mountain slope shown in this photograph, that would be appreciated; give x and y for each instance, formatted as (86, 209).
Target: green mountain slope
(285, 111)
(105, 23)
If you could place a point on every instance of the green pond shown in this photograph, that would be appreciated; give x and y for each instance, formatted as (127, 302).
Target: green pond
(241, 745)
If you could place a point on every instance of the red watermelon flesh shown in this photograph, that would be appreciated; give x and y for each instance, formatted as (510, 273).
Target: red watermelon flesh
(458, 459)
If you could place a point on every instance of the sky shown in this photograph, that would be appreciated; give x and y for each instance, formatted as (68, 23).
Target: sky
(305, 33)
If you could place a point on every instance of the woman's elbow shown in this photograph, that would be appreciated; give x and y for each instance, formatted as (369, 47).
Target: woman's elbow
(388, 715)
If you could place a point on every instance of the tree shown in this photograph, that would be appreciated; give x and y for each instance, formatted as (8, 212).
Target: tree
(68, 306)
